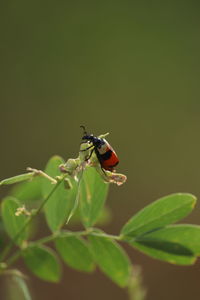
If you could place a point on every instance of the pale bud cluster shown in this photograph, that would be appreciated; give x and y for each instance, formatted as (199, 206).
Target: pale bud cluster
(22, 211)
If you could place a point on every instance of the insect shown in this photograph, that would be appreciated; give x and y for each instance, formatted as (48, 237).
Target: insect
(106, 155)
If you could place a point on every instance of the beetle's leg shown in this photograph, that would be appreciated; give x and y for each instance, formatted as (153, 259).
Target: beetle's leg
(103, 170)
(90, 154)
(86, 148)
(87, 158)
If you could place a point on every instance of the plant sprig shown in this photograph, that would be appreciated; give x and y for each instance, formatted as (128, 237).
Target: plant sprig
(80, 187)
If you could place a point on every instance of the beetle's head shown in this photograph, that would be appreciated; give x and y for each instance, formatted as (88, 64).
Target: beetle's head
(86, 136)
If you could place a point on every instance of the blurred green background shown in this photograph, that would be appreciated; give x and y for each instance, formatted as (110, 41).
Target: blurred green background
(127, 67)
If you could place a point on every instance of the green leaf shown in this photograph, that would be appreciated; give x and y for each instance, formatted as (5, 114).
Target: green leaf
(75, 253)
(17, 178)
(162, 212)
(13, 224)
(93, 192)
(179, 259)
(104, 218)
(178, 244)
(28, 191)
(43, 263)
(111, 259)
(61, 203)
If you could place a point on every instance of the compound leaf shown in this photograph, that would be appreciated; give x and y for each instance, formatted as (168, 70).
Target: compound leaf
(162, 212)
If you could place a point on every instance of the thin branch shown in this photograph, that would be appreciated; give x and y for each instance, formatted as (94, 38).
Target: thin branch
(43, 174)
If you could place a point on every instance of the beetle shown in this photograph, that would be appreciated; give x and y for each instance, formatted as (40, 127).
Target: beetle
(105, 154)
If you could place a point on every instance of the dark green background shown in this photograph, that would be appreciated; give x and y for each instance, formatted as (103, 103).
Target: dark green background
(127, 67)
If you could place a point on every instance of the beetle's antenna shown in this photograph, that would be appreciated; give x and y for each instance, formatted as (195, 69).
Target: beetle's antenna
(84, 130)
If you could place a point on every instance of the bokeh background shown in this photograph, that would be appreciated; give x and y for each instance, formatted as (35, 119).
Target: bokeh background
(128, 67)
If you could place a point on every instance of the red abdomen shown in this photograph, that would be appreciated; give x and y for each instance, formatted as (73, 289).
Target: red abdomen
(107, 156)
(111, 162)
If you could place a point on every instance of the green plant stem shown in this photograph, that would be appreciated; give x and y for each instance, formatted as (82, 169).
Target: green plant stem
(60, 234)
(28, 221)
(77, 233)
(43, 174)
(110, 236)
(52, 237)
(46, 239)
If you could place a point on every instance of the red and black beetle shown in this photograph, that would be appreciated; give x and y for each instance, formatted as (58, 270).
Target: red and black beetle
(106, 155)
